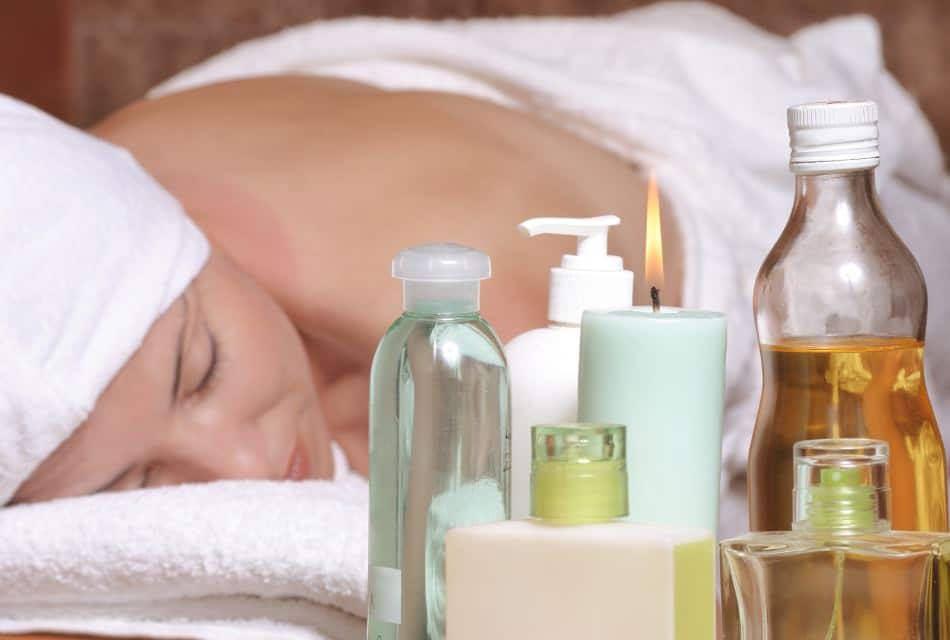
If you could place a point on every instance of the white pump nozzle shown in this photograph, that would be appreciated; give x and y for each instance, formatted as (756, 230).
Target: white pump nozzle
(591, 236)
(589, 279)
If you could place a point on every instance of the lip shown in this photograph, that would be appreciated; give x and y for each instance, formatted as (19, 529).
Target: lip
(298, 467)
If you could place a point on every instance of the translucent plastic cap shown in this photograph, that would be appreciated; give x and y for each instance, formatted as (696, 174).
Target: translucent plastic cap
(441, 262)
(578, 473)
(841, 486)
(441, 278)
(833, 136)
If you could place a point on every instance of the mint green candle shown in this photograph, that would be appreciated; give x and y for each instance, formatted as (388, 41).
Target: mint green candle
(662, 374)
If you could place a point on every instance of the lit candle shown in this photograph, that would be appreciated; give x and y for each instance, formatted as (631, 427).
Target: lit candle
(661, 372)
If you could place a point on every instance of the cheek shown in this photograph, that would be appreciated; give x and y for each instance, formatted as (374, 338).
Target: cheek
(259, 401)
(263, 359)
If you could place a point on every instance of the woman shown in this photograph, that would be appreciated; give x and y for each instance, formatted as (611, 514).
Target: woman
(306, 187)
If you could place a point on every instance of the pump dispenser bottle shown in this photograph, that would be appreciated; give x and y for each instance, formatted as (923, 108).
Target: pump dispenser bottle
(543, 362)
(438, 448)
(841, 572)
(841, 309)
(575, 569)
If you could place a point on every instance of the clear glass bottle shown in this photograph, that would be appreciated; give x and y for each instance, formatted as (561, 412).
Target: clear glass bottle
(439, 436)
(841, 573)
(840, 308)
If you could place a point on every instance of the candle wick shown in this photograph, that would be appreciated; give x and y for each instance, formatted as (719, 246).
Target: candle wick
(655, 298)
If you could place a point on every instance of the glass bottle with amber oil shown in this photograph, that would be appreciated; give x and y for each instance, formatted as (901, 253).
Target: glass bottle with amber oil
(842, 573)
(841, 308)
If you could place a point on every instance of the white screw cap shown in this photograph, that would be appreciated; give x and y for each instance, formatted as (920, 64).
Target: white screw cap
(833, 136)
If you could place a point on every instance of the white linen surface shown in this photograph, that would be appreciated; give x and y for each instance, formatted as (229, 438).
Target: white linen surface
(691, 91)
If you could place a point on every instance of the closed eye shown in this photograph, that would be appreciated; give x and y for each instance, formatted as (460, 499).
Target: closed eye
(212, 366)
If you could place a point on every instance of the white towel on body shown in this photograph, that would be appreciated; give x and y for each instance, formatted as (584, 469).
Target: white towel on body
(230, 560)
(689, 90)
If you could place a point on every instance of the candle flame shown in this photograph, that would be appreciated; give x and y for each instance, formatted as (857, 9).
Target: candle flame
(654, 239)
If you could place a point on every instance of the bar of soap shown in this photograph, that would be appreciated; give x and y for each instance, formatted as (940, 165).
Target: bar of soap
(618, 580)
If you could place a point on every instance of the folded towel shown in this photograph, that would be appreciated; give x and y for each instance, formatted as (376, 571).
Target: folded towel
(223, 561)
(691, 91)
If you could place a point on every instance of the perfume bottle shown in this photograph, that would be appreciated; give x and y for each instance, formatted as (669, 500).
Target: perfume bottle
(575, 569)
(439, 437)
(842, 573)
(840, 307)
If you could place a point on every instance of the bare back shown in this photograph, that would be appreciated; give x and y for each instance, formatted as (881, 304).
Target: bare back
(313, 184)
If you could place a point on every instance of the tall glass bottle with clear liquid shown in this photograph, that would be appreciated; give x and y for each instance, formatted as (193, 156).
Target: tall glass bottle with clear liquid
(439, 437)
(842, 573)
(841, 307)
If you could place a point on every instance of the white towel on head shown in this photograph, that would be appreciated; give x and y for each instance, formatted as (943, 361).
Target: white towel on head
(92, 251)
(224, 561)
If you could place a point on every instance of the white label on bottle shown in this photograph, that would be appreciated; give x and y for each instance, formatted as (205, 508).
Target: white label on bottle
(385, 594)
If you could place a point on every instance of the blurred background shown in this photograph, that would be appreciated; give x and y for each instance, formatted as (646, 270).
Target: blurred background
(81, 59)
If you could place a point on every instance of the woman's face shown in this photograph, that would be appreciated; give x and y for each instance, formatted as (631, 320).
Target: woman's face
(220, 389)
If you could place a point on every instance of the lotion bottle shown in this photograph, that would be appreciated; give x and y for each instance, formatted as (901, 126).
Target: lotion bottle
(542, 363)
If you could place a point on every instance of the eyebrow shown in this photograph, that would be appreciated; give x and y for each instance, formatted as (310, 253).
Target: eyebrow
(176, 383)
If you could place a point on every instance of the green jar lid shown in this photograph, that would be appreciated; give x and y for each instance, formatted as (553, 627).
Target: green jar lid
(578, 473)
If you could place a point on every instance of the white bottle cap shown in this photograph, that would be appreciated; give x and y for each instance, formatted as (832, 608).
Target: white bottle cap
(589, 279)
(833, 136)
(441, 278)
(441, 262)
